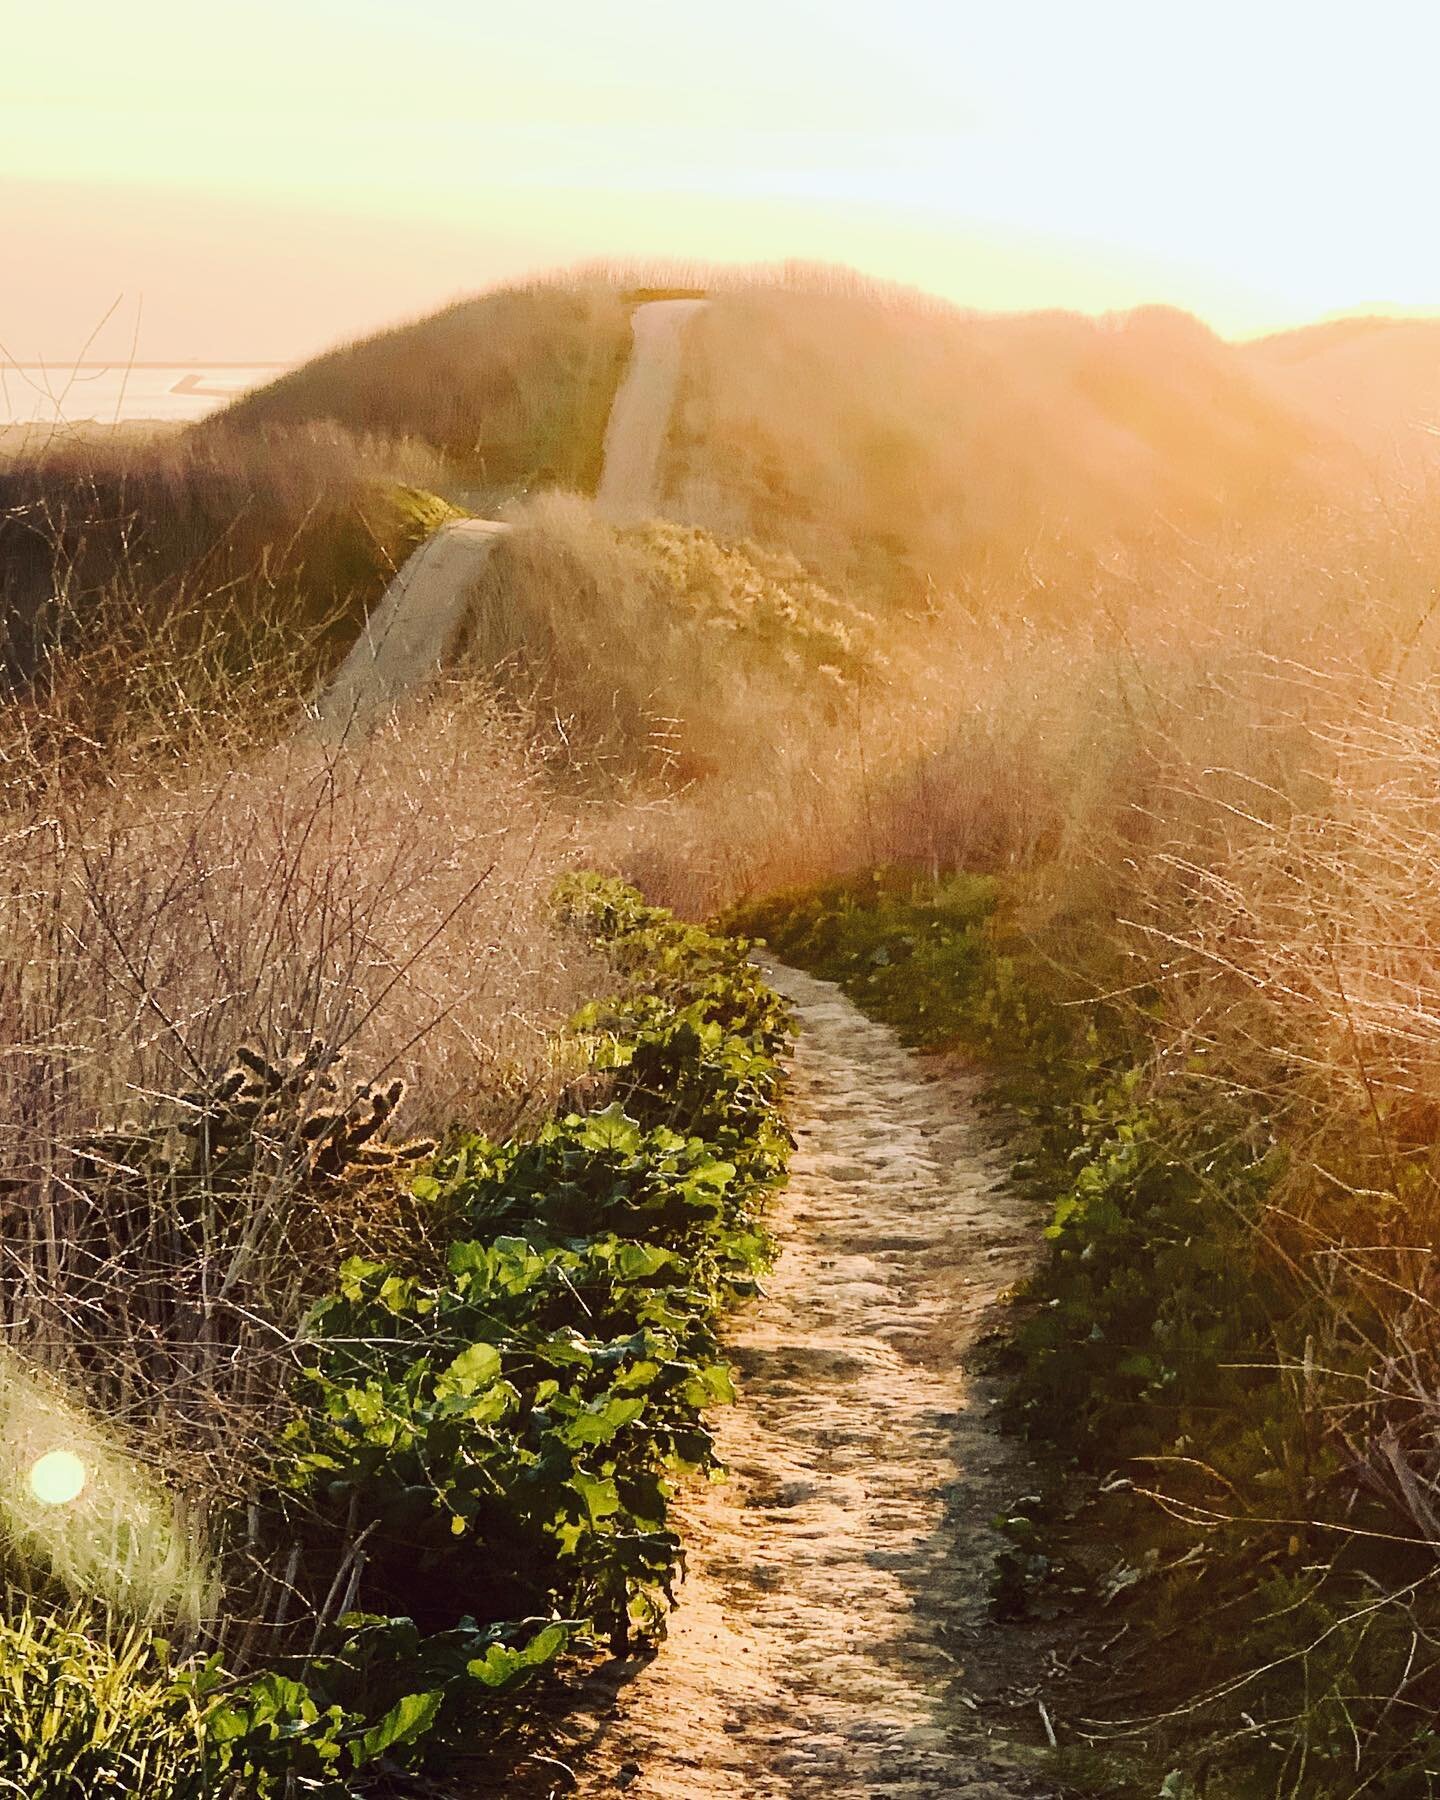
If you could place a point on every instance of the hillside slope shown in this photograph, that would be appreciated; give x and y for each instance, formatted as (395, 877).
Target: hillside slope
(1375, 378)
(514, 386)
(897, 444)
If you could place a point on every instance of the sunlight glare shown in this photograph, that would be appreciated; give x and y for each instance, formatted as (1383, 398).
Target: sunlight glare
(58, 1478)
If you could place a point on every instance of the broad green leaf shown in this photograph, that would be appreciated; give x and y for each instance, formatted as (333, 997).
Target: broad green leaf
(600, 1421)
(638, 1262)
(710, 1386)
(472, 1370)
(355, 1275)
(407, 1720)
(601, 1497)
(611, 1130)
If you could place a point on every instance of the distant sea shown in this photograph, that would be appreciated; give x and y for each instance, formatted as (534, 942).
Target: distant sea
(69, 393)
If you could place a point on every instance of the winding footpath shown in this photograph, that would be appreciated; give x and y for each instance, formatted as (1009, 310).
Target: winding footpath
(837, 1583)
(407, 637)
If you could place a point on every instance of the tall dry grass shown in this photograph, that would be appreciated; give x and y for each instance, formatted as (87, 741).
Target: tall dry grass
(661, 653)
(142, 581)
(1221, 767)
(1161, 699)
(901, 447)
(370, 926)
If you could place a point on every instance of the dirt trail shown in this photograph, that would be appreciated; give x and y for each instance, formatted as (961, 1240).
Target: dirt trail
(838, 1582)
(640, 418)
(408, 635)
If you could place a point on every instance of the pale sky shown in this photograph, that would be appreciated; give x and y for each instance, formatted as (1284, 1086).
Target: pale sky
(261, 179)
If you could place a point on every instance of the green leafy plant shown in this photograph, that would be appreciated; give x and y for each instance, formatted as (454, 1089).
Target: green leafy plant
(504, 1432)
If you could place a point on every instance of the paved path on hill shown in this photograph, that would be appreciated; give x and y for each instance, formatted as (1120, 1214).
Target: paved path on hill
(409, 634)
(838, 1583)
(629, 486)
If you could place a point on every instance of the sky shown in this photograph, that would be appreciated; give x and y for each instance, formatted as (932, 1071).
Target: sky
(258, 180)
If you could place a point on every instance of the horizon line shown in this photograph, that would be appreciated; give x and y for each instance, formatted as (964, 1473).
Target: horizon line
(174, 362)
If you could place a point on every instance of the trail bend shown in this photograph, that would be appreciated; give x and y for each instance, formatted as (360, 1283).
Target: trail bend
(412, 630)
(837, 1585)
(833, 1619)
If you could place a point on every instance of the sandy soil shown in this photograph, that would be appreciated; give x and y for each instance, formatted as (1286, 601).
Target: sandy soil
(837, 1584)
(629, 486)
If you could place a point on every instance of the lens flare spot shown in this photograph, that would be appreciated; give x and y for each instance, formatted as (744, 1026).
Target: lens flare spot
(57, 1478)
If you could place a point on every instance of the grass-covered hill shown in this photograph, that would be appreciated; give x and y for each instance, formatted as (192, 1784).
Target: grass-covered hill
(513, 387)
(1375, 376)
(900, 443)
(896, 443)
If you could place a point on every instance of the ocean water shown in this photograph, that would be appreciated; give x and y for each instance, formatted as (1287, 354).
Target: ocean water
(61, 393)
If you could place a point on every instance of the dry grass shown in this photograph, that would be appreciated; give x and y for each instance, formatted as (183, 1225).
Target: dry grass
(365, 917)
(514, 387)
(903, 448)
(1227, 765)
(1057, 726)
(663, 654)
(142, 582)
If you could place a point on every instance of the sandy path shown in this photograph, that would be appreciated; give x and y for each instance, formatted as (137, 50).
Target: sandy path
(640, 418)
(838, 1582)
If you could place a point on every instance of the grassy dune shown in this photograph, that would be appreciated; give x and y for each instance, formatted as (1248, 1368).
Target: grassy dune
(898, 445)
(1109, 646)
(904, 449)
(159, 591)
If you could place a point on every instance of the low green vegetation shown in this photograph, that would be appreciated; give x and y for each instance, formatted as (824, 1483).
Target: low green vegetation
(486, 1434)
(780, 618)
(1250, 1613)
(86, 1711)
